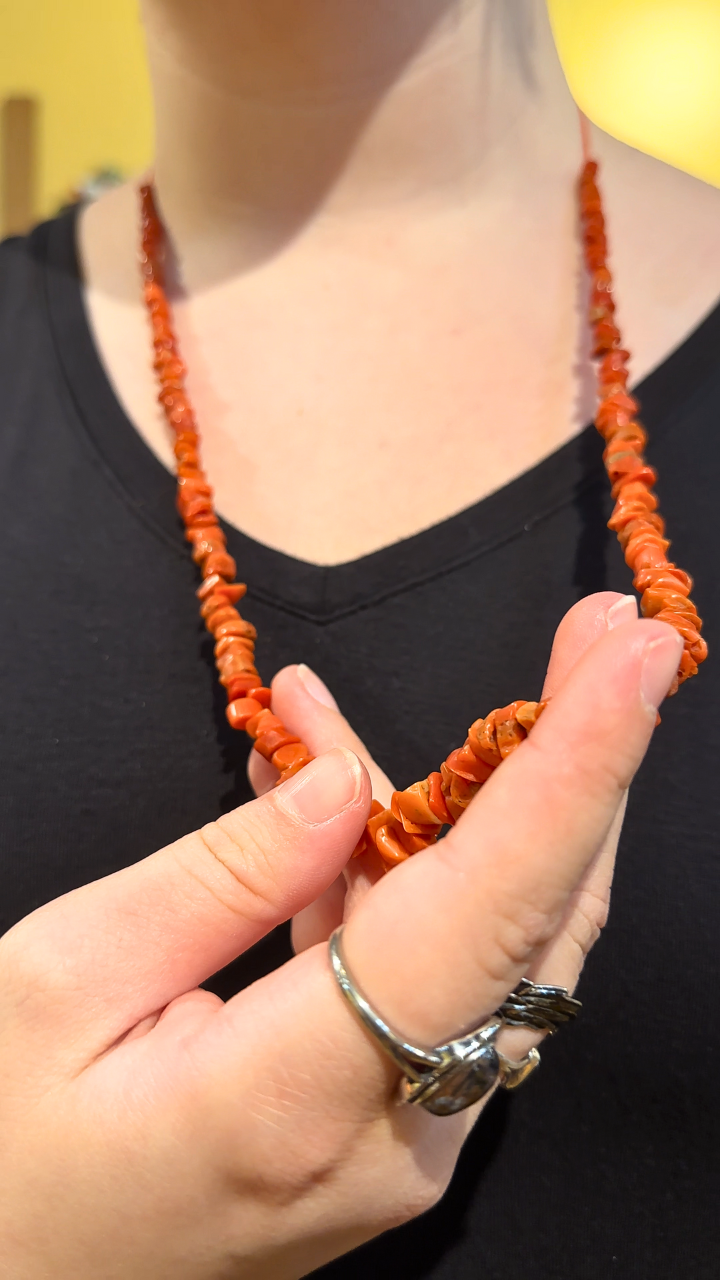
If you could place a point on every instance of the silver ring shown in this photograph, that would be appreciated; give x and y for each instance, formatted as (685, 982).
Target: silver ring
(450, 1077)
(544, 1008)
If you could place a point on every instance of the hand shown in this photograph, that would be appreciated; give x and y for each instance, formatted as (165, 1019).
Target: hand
(148, 1131)
(308, 708)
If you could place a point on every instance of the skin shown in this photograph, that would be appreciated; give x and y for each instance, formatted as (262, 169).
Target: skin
(147, 1130)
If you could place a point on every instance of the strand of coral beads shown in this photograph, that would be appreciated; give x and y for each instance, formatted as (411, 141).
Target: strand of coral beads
(418, 814)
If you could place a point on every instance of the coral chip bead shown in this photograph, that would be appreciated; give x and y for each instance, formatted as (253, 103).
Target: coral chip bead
(389, 847)
(411, 807)
(240, 686)
(292, 769)
(467, 765)
(233, 591)
(262, 722)
(295, 753)
(208, 586)
(222, 563)
(271, 740)
(262, 695)
(223, 614)
(436, 799)
(240, 711)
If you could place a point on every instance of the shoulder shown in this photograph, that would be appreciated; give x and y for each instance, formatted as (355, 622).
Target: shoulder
(16, 275)
(28, 265)
(24, 265)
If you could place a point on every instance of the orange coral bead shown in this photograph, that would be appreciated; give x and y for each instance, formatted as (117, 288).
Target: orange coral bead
(208, 586)
(633, 513)
(237, 681)
(411, 842)
(468, 765)
(233, 591)
(401, 807)
(271, 740)
(656, 598)
(292, 754)
(235, 662)
(389, 847)
(483, 742)
(222, 563)
(187, 456)
(232, 643)
(205, 539)
(607, 335)
(631, 436)
(241, 686)
(193, 485)
(194, 503)
(436, 799)
(240, 711)
(212, 603)
(264, 720)
(462, 791)
(625, 513)
(292, 769)
(412, 806)
(615, 361)
(228, 627)
(689, 629)
(669, 576)
(644, 551)
(262, 695)
(634, 471)
(508, 732)
(223, 613)
(688, 667)
(528, 714)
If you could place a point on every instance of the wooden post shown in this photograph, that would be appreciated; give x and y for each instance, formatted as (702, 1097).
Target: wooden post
(18, 164)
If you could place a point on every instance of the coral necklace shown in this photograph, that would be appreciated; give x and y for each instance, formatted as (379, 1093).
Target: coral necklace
(417, 815)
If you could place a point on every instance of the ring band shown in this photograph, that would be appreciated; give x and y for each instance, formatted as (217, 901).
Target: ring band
(450, 1077)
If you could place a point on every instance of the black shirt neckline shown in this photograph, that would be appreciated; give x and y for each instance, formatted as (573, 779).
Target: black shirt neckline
(325, 593)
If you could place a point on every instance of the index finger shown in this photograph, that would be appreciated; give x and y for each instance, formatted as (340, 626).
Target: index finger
(581, 626)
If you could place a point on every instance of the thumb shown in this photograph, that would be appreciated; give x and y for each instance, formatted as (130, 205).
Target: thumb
(113, 952)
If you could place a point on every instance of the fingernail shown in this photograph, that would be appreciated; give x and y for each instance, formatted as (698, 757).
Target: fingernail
(315, 687)
(660, 663)
(322, 789)
(624, 610)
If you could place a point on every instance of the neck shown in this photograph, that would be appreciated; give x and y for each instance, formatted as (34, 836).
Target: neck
(276, 118)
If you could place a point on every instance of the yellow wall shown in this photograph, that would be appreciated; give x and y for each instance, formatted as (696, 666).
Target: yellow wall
(645, 70)
(84, 60)
(648, 71)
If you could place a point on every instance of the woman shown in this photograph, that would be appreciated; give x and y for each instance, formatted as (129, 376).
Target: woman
(371, 209)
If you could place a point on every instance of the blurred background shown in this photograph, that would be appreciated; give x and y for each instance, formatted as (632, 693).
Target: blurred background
(75, 111)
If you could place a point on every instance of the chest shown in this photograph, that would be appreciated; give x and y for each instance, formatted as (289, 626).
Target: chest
(348, 401)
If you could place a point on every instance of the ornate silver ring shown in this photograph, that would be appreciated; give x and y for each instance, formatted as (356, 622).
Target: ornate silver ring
(450, 1077)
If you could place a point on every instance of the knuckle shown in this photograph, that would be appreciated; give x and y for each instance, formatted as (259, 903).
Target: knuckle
(520, 928)
(588, 919)
(234, 867)
(419, 1197)
(34, 975)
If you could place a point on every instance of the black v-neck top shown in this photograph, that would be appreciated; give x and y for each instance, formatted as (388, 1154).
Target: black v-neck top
(113, 742)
